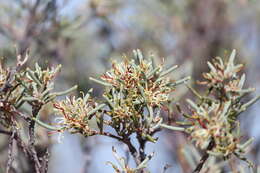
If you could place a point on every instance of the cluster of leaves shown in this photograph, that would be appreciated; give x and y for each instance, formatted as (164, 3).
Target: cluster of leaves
(136, 91)
(213, 118)
(20, 87)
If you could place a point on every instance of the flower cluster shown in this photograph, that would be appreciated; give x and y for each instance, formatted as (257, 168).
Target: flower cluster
(23, 94)
(210, 123)
(214, 124)
(76, 114)
(224, 79)
(19, 86)
(135, 89)
(144, 82)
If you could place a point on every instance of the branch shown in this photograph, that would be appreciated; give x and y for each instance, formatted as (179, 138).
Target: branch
(45, 162)
(111, 135)
(10, 152)
(132, 150)
(142, 143)
(126, 141)
(205, 157)
(35, 159)
(5, 132)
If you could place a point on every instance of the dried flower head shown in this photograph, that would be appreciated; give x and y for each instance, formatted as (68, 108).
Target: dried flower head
(76, 113)
(126, 72)
(122, 108)
(158, 93)
(224, 78)
(214, 124)
(220, 70)
(144, 82)
(135, 89)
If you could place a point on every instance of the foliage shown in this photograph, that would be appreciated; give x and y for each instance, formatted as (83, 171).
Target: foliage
(83, 35)
(137, 91)
(21, 87)
(213, 121)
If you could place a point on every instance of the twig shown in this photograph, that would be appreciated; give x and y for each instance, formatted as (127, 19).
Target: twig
(132, 150)
(111, 135)
(205, 157)
(5, 132)
(126, 141)
(45, 162)
(166, 167)
(20, 143)
(142, 143)
(10, 152)
(35, 159)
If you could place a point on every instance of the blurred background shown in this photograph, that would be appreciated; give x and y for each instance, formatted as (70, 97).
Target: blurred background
(83, 36)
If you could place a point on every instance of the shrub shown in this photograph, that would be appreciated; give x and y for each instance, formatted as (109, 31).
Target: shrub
(136, 93)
